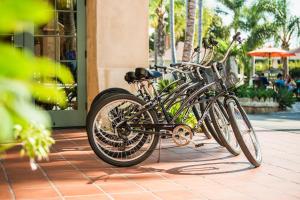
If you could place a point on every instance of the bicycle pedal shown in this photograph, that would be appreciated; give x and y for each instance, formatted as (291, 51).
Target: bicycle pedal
(199, 145)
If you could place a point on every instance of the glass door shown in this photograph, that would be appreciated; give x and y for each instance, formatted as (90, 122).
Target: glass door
(63, 40)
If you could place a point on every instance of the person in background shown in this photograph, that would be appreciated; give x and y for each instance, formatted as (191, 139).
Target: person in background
(280, 82)
(264, 81)
(291, 84)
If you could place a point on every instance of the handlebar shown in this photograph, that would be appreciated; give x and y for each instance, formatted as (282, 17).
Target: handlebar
(190, 64)
(209, 43)
(235, 38)
(172, 69)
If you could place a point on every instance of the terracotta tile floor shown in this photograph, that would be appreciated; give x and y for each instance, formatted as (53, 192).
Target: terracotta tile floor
(209, 172)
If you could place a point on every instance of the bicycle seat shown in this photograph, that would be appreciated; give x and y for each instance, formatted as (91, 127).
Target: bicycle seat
(142, 73)
(155, 74)
(130, 77)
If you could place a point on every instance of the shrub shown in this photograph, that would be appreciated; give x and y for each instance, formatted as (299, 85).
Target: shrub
(285, 98)
(242, 91)
(165, 84)
(295, 73)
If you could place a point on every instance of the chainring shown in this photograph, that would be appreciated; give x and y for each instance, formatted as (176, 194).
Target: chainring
(182, 135)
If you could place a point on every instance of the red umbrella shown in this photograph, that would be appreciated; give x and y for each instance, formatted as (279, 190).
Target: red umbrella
(270, 52)
(295, 50)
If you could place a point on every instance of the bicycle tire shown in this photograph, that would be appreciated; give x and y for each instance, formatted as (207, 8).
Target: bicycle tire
(203, 127)
(233, 106)
(217, 113)
(100, 153)
(208, 124)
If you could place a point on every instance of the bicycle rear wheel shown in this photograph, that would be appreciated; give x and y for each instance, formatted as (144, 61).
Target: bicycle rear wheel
(244, 132)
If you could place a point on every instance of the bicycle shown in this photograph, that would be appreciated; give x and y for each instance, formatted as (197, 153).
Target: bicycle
(136, 126)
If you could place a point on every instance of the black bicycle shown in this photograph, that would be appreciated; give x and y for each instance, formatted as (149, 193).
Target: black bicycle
(126, 129)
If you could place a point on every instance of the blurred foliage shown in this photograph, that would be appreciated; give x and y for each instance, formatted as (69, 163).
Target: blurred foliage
(17, 15)
(186, 117)
(250, 92)
(281, 95)
(263, 65)
(285, 98)
(166, 85)
(211, 21)
(295, 73)
(24, 78)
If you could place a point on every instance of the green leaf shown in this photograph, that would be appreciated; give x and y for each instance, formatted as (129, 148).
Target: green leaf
(6, 126)
(16, 15)
(28, 113)
(49, 94)
(26, 67)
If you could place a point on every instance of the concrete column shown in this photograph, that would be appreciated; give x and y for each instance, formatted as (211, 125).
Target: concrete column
(118, 42)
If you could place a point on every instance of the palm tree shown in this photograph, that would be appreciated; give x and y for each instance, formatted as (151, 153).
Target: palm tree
(254, 21)
(190, 30)
(157, 17)
(258, 27)
(235, 6)
(287, 26)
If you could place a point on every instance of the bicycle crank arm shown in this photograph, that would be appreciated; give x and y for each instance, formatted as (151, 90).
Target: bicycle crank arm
(197, 145)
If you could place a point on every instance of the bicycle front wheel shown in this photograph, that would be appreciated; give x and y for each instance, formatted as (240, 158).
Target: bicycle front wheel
(125, 145)
(244, 132)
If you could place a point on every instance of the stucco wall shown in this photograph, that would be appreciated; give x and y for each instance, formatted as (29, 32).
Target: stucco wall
(117, 42)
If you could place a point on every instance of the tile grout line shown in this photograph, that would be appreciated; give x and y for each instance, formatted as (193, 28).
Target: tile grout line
(144, 189)
(229, 187)
(50, 182)
(181, 185)
(140, 186)
(114, 169)
(13, 195)
(176, 183)
(75, 167)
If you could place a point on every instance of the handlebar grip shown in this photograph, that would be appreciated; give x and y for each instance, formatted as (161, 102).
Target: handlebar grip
(220, 66)
(213, 42)
(197, 49)
(236, 36)
(158, 67)
(175, 64)
(205, 43)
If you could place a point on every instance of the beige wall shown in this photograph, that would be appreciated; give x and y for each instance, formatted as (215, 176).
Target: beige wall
(117, 41)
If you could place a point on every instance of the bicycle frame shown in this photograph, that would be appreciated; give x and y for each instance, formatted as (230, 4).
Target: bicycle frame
(192, 100)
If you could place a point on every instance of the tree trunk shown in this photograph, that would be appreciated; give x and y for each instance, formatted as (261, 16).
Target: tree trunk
(161, 35)
(172, 31)
(285, 64)
(200, 7)
(285, 67)
(161, 43)
(190, 30)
